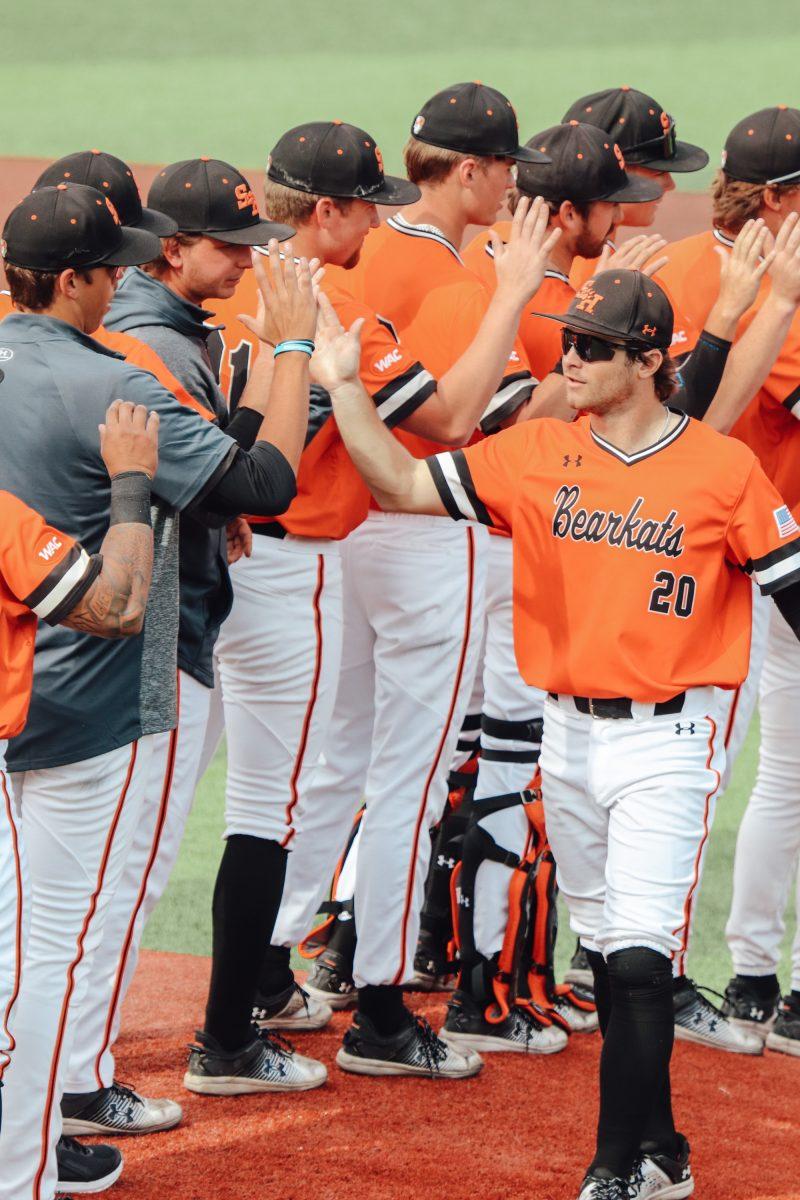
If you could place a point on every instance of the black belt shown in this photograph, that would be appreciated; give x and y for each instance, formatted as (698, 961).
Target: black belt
(621, 707)
(271, 529)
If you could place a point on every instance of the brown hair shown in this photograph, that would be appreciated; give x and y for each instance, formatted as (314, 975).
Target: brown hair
(582, 208)
(665, 380)
(293, 207)
(159, 267)
(35, 290)
(735, 202)
(430, 164)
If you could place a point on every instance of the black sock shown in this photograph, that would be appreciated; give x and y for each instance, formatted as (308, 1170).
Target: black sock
(634, 1063)
(276, 972)
(247, 896)
(602, 988)
(384, 1007)
(765, 987)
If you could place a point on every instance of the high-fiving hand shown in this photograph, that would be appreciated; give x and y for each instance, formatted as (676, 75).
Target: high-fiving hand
(287, 295)
(337, 357)
(521, 262)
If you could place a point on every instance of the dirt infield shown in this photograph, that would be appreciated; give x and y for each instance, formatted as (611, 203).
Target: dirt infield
(522, 1130)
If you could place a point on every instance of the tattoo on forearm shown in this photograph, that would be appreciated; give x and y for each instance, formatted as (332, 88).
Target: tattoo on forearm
(114, 605)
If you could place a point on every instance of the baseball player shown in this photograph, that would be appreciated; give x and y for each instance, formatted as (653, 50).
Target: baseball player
(46, 575)
(641, 492)
(82, 762)
(760, 177)
(279, 653)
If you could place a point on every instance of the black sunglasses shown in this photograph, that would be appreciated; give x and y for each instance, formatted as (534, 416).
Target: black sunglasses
(663, 146)
(588, 347)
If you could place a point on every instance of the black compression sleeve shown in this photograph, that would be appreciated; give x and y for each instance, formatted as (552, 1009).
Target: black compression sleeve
(258, 481)
(788, 602)
(243, 426)
(701, 374)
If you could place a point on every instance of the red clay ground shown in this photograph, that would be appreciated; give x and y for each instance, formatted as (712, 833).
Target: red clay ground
(522, 1130)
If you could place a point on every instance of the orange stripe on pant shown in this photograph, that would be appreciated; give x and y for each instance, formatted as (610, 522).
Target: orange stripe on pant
(690, 896)
(9, 808)
(412, 870)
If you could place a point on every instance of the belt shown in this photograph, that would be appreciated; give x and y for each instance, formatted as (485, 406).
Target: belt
(621, 707)
(272, 529)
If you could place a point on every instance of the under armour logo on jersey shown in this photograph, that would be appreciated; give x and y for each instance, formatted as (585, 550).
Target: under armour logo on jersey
(443, 861)
(568, 461)
(687, 728)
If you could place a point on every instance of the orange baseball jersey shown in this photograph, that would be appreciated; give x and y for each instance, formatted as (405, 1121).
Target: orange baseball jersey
(417, 283)
(43, 574)
(332, 499)
(630, 571)
(541, 339)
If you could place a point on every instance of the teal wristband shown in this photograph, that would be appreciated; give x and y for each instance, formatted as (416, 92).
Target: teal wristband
(304, 345)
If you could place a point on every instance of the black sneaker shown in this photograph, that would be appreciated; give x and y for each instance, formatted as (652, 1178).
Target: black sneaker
(118, 1110)
(520, 1033)
(580, 971)
(785, 1033)
(293, 1011)
(332, 981)
(698, 1019)
(413, 1050)
(748, 1011)
(266, 1064)
(659, 1176)
(433, 972)
(86, 1169)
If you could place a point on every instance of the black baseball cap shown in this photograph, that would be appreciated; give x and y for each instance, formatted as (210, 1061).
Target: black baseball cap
(112, 177)
(623, 306)
(585, 165)
(765, 147)
(72, 225)
(210, 197)
(330, 158)
(644, 132)
(472, 118)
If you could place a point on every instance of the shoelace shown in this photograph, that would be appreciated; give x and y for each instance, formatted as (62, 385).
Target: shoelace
(433, 1048)
(280, 1045)
(127, 1092)
(701, 990)
(612, 1189)
(71, 1143)
(636, 1177)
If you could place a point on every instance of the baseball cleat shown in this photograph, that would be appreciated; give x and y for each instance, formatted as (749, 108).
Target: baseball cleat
(413, 1050)
(748, 1011)
(596, 1188)
(265, 1064)
(698, 1020)
(332, 981)
(118, 1110)
(785, 1033)
(293, 1011)
(520, 1033)
(579, 1019)
(85, 1170)
(658, 1176)
(580, 972)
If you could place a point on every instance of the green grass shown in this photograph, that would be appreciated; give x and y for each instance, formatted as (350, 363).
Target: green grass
(160, 81)
(182, 922)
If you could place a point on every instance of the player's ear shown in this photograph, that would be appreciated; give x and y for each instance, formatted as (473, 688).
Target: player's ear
(324, 209)
(467, 170)
(567, 214)
(67, 284)
(171, 250)
(648, 363)
(771, 199)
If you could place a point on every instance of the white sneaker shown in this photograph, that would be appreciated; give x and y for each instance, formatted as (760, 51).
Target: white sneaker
(662, 1176)
(698, 1020)
(300, 1014)
(580, 1020)
(603, 1189)
(519, 1033)
(118, 1110)
(413, 1050)
(265, 1064)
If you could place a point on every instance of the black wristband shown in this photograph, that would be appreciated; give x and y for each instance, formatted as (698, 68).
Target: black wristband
(130, 499)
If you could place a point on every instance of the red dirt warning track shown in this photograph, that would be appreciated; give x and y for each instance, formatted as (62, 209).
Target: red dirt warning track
(522, 1130)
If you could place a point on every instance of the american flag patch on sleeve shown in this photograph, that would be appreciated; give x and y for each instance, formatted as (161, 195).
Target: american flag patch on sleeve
(787, 526)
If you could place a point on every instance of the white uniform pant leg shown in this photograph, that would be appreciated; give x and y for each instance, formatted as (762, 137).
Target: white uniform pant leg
(215, 725)
(326, 811)
(14, 913)
(654, 780)
(279, 653)
(736, 707)
(156, 842)
(77, 824)
(424, 587)
(507, 697)
(768, 843)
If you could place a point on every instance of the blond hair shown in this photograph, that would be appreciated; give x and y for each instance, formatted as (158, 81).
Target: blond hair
(293, 207)
(430, 164)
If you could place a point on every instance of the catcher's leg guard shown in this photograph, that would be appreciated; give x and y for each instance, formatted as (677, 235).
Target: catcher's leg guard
(335, 912)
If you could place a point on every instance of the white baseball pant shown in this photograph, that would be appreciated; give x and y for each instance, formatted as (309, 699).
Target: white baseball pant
(628, 806)
(14, 897)
(736, 707)
(151, 858)
(768, 845)
(77, 824)
(414, 597)
(278, 655)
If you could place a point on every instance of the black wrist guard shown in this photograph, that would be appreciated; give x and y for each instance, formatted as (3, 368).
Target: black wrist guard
(130, 499)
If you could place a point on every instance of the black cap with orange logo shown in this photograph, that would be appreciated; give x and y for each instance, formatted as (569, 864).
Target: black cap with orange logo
(330, 158)
(472, 118)
(72, 225)
(765, 147)
(622, 306)
(210, 197)
(114, 178)
(586, 165)
(644, 132)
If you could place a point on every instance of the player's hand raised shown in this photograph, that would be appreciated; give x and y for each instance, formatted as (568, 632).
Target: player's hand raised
(287, 301)
(638, 253)
(521, 262)
(129, 439)
(337, 356)
(784, 269)
(742, 269)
